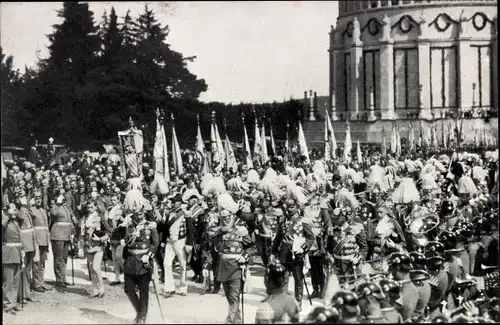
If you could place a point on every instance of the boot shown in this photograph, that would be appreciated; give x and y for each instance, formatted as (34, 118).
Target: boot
(216, 287)
(315, 294)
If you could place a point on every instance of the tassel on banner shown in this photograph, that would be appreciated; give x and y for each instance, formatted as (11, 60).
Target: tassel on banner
(273, 147)
(332, 142)
(358, 153)
(248, 152)
(257, 143)
(176, 151)
(160, 151)
(200, 145)
(265, 156)
(383, 148)
(411, 138)
(347, 143)
(302, 144)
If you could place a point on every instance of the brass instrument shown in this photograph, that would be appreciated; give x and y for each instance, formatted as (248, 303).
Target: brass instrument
(487, 267)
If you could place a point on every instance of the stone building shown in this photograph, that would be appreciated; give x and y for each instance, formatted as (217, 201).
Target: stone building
(407, 61)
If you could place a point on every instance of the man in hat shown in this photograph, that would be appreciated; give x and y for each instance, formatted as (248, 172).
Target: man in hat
(392, 290)
(194, 211)
(347, 304)
(400, 266)
(42, 235)
(62, 225)
(279, 306)
(115, 220)
(424, 289)
(292, 242)
(178, 243)
(235, 247)
(370, 294)
(140, 245)
(438, 276)
(12, 256)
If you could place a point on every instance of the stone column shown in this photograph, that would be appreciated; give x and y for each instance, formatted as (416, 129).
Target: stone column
(356, 70)
(334, 107)
(424, 71)
(372, 116)
(467, 57)
(387, 72)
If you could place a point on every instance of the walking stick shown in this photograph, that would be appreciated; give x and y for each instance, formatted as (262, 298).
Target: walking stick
(305, 284)
(22, 281)
(72, 263)
(156, 294)
(243, 279)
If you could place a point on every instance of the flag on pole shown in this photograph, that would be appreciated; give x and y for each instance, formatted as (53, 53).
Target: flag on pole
(304, 151)
(411, 138)
(220, 146)
(398, 142)
(200, 145)
(358, 153)
(347, 143)
(265, 156)
(248, 152)
(434, 135)
(257, 143)
(230, 157)
(383, 148)
(443, 138)
(176, 151)
(4, 171)
(327, 145)
(273, 147)
(393, 138)
(330, 137)
(287, 144)
(160, 152)
(217, 151)
(450, 134)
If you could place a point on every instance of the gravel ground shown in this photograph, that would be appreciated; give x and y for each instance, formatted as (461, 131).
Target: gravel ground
(73, 305)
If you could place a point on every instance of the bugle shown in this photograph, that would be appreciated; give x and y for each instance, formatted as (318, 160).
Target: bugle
(488, 267)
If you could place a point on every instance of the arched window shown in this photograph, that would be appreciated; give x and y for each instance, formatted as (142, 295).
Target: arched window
(444, 77)
(406, 78)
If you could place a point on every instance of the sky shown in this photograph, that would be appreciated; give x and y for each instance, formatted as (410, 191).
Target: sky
(251, 52)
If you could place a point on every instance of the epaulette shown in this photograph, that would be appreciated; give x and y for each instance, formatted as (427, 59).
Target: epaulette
(241, 231)
(151, 225)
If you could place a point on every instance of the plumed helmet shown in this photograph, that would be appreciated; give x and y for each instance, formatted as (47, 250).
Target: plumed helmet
(253, 177)
(446, 208)
(400, 260)
(226, 202)
(391, 288)
(370, 289)
(275, 274)
(235, 184)
(464, 231)
(434, 247)
(481, 225)
(345, 300)
(324, 315)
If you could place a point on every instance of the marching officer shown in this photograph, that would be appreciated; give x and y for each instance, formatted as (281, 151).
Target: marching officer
(140, 245)
(438, 278)
(42, 235)
(292, 242)
(267, 226)
(392, 290)
(319, 213)
(235, 247)
(370, 295)
(12, 255)
(209, 254)
(279, 306)
(347, 304)
(424, 289)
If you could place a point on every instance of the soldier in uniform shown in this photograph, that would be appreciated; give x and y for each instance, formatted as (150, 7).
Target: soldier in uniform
(438, 277)
(319, 213)
(292, 242)
(424, 289)
(30, 246)
(62, 225)
(41, 226)
(347, 304)
(279, 306)
(235, 247)
(12, 255)
(140, 245)
(370, 295)
(267, 225)
(399, 267)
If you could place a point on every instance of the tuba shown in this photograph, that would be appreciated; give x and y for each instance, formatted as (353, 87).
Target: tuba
(423, 229)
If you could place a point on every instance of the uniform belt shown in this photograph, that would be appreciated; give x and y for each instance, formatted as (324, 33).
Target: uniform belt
(138, 251)
(27, 230)
(63, 222)
(13, 244)
(229, 256)
(41, 227)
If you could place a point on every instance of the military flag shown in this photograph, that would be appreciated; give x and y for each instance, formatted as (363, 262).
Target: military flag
(304, 151)
(176, 151)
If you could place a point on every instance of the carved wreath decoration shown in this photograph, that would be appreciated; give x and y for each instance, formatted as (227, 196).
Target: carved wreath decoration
(373, 26)
(405, 24)
(349, 29)
(442, 22)
(479, 21)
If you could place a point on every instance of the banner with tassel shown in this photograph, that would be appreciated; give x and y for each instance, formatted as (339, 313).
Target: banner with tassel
(217, 159)
(434, 135)
(398, 142)
(273, 147)
(383, 148)
(160, 151)
(304, 151)
(246, 142)
(200, 145)
(332, 141)
(230, 157)
(358, 153)
(176, 151)
(263, 139)
(393, 139)
(220, 146)
(257, 143)
(327, 145)
(411, 138)
(287, 144)
(347, 143)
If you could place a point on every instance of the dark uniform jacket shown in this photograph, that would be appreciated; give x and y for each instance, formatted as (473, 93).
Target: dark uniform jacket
(140, 240)
(27, 231)
(62, 223)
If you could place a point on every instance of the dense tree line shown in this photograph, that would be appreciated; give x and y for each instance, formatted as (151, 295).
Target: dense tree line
(99, 74)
